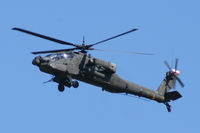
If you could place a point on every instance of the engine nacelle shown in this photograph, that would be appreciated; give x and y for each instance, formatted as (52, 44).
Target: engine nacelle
(111, 67)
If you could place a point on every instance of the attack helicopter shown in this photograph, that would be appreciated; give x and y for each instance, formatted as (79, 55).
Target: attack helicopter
(68, 66)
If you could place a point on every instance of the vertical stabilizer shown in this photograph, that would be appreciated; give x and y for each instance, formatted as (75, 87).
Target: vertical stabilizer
(168, 83)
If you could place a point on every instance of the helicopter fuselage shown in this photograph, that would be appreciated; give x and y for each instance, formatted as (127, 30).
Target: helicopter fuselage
(83, 67)
(66, 65)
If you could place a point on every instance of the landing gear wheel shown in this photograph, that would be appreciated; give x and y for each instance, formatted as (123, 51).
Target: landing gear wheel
(75, 84)
(61, 88)
(168, 107)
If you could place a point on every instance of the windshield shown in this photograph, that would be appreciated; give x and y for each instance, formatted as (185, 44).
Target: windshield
(59, 56)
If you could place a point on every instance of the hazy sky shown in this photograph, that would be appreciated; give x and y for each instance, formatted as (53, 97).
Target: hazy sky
(167, 28)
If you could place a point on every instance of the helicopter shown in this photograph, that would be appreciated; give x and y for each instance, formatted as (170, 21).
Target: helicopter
(68, 66)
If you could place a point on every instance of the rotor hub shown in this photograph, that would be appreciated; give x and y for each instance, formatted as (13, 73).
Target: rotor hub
(177, 72)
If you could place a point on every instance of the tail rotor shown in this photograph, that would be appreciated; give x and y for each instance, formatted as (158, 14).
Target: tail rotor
(175, 73)
(170, 82)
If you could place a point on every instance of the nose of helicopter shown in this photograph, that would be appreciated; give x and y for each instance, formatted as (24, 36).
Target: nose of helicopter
(37, 60)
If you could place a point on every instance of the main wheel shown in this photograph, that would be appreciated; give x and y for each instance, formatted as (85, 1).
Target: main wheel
(75, 84)
(61, 88)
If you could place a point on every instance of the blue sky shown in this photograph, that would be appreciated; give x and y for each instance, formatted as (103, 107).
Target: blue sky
(167, 28)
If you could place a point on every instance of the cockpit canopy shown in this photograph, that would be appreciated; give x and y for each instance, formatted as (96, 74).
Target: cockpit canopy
(58, 56)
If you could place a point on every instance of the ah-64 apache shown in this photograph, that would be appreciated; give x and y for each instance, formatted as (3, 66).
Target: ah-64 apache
(69, 65)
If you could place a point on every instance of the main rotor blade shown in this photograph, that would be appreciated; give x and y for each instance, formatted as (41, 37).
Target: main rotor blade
(44, 37)
(88, 46)
(126, 52)
(167, 65)
(54, 51)
(176, 64)
(179, 80)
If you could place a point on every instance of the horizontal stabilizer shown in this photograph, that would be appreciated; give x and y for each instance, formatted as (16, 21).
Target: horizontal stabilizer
(174, 95)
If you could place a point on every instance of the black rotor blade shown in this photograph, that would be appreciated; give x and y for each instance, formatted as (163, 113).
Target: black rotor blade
(179, 80)
(54, 51)
(88, 46)
(167, 65)
(176, 64)
(44, 37)
(126, 52)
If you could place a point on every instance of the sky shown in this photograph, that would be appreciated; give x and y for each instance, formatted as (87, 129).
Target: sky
(168, 28)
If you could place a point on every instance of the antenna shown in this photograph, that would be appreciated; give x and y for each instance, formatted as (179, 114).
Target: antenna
(83, 42)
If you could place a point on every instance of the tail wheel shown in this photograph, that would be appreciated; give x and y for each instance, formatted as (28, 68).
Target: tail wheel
(61, 88)
(168, 107)
(75, 84)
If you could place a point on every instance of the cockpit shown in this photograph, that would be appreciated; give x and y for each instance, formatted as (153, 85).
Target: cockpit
(59, 56)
